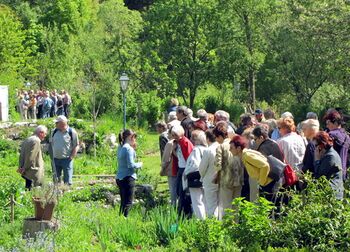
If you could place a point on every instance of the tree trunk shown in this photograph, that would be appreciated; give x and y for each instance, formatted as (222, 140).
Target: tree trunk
(251, 70)
(251, 82)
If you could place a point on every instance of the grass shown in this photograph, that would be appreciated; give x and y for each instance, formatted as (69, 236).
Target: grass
(89, 225)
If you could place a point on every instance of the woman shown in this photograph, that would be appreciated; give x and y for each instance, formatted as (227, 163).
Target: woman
(207, 172)
(169, 167)
(182, 151)
(32, 107)
(292, 145)
(328, 163)
(255, 163)
(341, 140)
(127, 166)
(191, 175)
(24, 108)
(229, 170)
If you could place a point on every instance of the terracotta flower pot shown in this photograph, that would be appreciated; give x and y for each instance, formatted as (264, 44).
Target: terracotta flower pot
(43, 212)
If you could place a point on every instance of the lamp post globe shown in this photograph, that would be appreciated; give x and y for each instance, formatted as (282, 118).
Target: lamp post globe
(124, 81)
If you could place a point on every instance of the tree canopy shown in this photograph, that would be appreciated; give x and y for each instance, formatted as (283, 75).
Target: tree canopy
(280, 53)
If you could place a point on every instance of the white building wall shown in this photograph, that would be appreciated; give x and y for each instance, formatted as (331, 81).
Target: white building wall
(4, 103)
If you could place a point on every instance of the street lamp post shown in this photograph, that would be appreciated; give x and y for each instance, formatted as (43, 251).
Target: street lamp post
(124, 80)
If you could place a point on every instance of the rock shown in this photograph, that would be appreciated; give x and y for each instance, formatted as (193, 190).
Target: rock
(111, 140)
(15, 136)
(22, 124)
(111, 198)
(6, 125)
(145, 192)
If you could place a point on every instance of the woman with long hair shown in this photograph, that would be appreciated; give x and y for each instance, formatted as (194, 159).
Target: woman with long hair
(127, 165)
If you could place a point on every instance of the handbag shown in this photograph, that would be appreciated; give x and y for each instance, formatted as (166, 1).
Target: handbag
(290, 176)
(276, 168)
(194, 180)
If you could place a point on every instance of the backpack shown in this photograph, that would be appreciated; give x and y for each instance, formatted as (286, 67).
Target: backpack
(70, 132)
(48, 104)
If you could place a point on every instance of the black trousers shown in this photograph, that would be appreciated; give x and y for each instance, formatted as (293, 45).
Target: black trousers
(245, 193)
(28, 183)
(184, 206)
(126, 190)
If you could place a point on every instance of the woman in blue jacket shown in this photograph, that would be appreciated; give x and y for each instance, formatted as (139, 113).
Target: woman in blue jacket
(127, 165)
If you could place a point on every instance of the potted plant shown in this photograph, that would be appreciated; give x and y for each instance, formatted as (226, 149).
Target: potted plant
(45, 200)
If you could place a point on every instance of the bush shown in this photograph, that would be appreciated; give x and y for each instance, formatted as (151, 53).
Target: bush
(7, 146)
(249, 223)
(315, 220)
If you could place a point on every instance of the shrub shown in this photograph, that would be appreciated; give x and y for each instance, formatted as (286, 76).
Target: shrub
(7, 147)
(249, 223)
(315, 219)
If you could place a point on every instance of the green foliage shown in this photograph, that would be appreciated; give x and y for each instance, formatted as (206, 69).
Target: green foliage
(166, 222)
(7, 147)
(315, 219)
(249, 223)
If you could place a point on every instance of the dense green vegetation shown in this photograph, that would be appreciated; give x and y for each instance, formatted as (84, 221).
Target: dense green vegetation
(231, 54)
(214, 54)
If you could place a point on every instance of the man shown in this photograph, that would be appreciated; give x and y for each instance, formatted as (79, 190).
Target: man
(31, 163)
(310, 128)
(259, 115)
(264, 144)
(186, 122)
(47, 105)
(67, 101)
(64, 144)
(222, 115)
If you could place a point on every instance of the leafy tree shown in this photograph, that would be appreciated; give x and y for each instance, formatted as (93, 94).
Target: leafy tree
(180, 43)
(311, 45)
(12, 51)
(247, 23)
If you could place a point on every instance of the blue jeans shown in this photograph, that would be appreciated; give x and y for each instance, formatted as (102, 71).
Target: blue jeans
(65, 165)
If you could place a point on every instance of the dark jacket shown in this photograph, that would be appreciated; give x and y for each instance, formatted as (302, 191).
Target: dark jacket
(309, 157)
(186, 124)
(163, 139)
(330, 166)
(270, 147)
(341, 145)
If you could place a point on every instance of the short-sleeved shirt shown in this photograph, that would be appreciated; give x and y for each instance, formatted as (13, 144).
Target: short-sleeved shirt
(62, 144)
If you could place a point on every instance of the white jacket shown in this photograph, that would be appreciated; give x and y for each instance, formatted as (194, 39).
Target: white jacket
(192, 163)
(207, 164)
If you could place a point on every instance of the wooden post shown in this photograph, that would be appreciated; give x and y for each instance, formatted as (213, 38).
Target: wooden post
(12, 206)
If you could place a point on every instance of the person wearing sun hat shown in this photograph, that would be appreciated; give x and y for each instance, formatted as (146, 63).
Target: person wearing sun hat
(65, 145)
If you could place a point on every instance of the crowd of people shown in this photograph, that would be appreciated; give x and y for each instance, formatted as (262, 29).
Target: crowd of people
(42, 104)
(209, 161)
